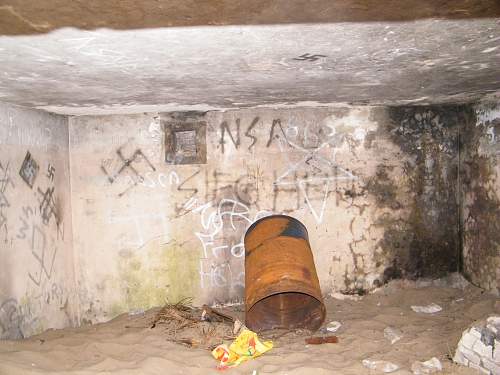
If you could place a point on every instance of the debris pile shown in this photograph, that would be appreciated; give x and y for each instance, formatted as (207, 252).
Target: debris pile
(479, 347)
(201, 327)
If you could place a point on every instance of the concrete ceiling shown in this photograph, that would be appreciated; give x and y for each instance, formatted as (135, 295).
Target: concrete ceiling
(165, 55)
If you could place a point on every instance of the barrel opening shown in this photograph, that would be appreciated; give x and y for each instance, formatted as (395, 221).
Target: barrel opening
(287, 310)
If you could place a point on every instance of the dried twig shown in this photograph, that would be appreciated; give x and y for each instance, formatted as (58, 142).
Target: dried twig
(216, 315)
(179, 314)
(193, 327)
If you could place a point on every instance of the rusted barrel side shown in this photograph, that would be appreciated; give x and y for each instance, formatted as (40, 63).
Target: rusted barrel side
(281, 285)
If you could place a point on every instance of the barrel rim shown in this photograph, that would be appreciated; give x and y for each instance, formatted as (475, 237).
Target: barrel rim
(319, 297)
(254, 224)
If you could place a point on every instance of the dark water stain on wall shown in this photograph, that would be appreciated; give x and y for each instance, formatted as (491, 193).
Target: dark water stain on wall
(383, 188)
(425, 241)
(481, 206)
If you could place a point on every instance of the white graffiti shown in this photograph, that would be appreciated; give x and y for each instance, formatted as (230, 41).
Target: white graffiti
(220, 275)
(317, 168)
(318, 216)
(138, 237)
(224, 226)
(150, 180)
(314, 168)
(160, 180)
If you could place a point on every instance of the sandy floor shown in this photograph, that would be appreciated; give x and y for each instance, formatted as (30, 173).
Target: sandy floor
(115, 348)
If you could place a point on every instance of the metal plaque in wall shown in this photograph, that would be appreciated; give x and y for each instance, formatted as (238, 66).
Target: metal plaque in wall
(185, 142)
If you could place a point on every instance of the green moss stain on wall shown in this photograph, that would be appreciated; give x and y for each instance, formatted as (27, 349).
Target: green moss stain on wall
(183, 273)
(156, 274)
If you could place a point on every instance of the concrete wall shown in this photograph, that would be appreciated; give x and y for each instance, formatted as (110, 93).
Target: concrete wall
(376, 188)
(481, 198)
(36, 265)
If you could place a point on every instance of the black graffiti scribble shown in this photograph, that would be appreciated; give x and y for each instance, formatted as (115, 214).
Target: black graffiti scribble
(10, 320)
(180, 209)
(291, 192)
(218, 185)
(48, 205)
(51, 170)
(38, 249)
(127, 164)
(249, 135)
(3, 221)
(221, 185)
(272, 135)
(236, 138)
(29, 170)
(5, 181)
(313, 163)
(308, 57)
(27, 211)
(224, 127)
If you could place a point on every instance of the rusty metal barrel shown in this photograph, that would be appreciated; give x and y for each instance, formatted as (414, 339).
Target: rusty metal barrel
(281, 285)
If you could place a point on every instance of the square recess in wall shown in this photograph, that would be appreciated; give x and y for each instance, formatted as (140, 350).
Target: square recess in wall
(185, 142)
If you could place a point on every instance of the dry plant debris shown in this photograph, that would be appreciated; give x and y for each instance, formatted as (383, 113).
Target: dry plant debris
(198, 327)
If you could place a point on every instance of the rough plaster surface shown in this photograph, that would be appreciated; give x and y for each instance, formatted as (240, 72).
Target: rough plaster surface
(73, 71)
(481, 198)
(376, 188)
(36, 264)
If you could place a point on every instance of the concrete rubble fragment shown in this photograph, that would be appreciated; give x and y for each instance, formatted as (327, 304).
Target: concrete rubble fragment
(431, 366)
(238, 326)
(479, 347)
(493, 325)
(333, 326)
(135, 312)
(382, 366)
(428, 309)
(349, 297)
(392, 334)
